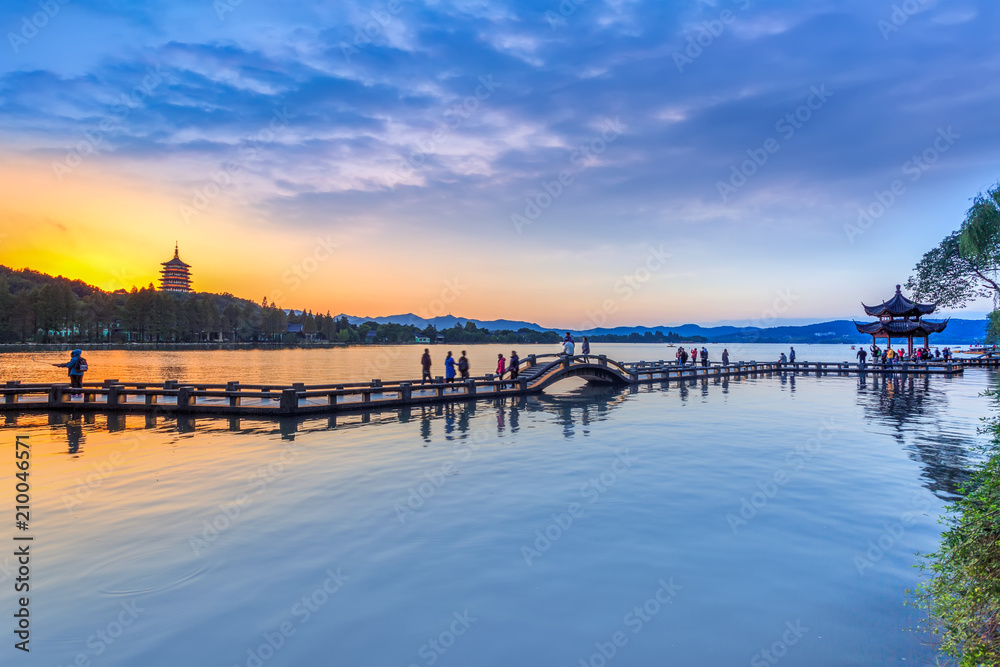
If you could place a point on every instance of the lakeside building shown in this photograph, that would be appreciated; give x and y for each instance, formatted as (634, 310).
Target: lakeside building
(900, 318)
(175, 276)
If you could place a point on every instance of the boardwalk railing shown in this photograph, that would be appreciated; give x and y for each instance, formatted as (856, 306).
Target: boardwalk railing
(536, 373)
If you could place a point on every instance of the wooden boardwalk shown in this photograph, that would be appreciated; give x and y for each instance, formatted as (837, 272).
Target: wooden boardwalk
(537, 373)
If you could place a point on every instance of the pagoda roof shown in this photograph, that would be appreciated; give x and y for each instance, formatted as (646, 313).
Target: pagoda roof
(915, 328)
(176, 261)
(900, 306)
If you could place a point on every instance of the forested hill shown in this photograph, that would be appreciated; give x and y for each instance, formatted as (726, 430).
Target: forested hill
(36, 307)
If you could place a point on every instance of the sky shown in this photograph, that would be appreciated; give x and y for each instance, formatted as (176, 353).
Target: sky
(574, 163)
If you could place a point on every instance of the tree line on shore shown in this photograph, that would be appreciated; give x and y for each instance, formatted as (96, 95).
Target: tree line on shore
(38, 308)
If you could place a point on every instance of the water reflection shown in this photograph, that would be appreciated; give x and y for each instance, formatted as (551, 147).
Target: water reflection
(914, 411)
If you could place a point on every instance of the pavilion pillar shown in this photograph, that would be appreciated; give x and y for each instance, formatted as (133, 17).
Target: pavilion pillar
(927, 342)
(909, 349)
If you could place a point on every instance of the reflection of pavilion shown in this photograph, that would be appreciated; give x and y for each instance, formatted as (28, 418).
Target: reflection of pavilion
(900, 318)
(913, 409)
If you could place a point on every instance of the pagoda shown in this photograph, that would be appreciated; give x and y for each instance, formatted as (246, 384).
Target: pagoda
(900, 318)
(175, 276)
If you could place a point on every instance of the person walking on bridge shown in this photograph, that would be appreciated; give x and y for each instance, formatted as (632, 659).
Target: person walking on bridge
(862, 357)
(513, 364)
(725, 357)
(449, 368)
(704, 357)
(425, 363)
(791, 355)
(585, 348)
(501, 367)
(463, 366)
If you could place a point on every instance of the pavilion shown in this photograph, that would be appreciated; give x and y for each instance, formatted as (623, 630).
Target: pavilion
(900, 318)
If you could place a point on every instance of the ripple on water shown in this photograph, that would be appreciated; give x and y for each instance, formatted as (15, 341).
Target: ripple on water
(148, 570)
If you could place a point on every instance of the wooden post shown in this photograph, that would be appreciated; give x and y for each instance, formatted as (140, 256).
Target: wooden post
(56, 394)
(12, 397)
(531, 360)
(289, 401)
(184, 397)
(150, 399)
(114, 394)
(471, 384)
(234, 401)
(602, 360)
(405, 391)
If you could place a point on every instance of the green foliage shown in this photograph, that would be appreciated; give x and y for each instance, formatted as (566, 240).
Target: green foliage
(993, 328)
(964, 265)
(962, 596)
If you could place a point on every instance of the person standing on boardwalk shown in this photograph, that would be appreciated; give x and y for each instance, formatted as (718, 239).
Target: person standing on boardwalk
(678, 355)
(425, 363)
(694, 356)
(725, 357)
(704, 357)
(463, 366)
(501, 367)
(585, 348)
(862, 357)
(791, 355)
(77, 366)
(515, 361)
(449, 368)
(684, 357)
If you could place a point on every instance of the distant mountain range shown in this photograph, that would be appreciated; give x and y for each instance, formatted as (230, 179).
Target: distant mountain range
(834, 331)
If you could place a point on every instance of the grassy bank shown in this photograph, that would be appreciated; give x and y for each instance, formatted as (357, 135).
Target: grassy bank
(962, 596)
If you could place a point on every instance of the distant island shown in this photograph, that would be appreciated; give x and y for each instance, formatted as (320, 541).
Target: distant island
(43, 309)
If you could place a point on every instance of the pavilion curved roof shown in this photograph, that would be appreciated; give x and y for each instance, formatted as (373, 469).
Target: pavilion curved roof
(915, 328)
(900, 306)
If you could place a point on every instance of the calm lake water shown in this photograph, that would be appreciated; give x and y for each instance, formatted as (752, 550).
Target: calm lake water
(347, 364)
(699, 524)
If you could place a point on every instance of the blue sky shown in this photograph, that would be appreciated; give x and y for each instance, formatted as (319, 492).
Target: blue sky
(714, 155)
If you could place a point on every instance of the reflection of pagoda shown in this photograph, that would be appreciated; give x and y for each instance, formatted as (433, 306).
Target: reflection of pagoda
(900, 318)
(175, 276)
